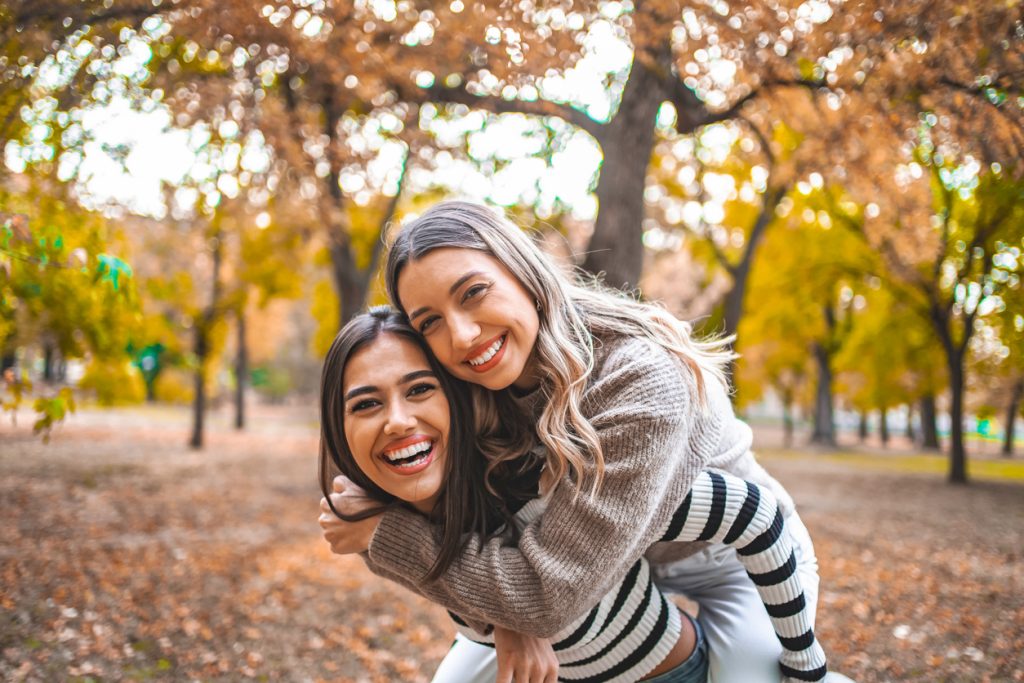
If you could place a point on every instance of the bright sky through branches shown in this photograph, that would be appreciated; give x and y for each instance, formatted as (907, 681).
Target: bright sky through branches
(132, 151)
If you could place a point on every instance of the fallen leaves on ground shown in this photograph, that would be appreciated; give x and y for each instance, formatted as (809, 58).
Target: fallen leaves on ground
(126, 556)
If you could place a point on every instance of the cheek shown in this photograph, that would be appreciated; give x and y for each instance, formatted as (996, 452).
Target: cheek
(356, 436)
(439, 345)
(530, 325)
(439, 416)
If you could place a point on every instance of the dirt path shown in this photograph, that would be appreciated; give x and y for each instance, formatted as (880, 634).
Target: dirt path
(125, 556)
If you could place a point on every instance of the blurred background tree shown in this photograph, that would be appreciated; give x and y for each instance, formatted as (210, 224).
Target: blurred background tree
(835, 184)
(62, 291)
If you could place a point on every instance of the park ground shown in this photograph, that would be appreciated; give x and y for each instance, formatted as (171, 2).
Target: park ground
(126, 556)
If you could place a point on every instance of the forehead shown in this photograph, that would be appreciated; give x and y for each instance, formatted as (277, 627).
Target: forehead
(383, 362)
(441, 268)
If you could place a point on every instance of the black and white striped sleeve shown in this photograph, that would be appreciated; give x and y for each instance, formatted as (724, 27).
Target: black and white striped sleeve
(725, 509)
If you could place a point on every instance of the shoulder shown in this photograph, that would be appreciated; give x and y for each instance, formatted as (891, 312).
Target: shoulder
(640, 377)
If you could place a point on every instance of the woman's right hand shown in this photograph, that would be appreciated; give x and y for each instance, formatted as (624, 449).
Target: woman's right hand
(523, 658)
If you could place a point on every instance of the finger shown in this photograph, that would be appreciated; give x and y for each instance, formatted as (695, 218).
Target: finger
(324, 505)
(504, 672)
(341, 482)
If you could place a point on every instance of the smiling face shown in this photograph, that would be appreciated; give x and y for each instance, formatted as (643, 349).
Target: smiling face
(396, 419)
(477, 318)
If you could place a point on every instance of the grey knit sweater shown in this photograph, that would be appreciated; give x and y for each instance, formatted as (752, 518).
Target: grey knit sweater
(656, 437)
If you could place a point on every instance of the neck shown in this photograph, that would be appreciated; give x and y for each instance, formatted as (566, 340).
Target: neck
(426, 506)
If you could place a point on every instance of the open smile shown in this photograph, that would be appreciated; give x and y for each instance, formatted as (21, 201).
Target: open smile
(487, 355)
(409, 456)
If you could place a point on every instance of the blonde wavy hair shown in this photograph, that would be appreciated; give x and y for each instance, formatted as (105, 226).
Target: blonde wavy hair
(573, 312)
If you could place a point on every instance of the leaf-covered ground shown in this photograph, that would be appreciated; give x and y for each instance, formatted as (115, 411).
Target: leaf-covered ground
(125, 556)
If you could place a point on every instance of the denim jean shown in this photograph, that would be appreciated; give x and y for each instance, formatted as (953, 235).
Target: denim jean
(695, 668)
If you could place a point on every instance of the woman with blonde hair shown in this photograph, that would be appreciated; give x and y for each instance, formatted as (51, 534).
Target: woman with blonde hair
(623, 407)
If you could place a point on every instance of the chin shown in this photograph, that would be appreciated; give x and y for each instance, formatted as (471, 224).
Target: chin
(495, 383)
(500, 380)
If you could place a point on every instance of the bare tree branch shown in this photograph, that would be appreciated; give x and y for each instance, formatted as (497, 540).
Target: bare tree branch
(765, 144)
(685, 100)
(499, 105)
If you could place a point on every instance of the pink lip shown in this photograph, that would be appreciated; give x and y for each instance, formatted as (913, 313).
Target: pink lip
(483, 347)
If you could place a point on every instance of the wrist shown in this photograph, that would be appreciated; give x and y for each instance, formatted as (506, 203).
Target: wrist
(370, 526)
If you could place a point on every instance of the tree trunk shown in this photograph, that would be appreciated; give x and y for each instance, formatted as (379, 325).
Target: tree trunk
(1011, 417)
(734, 298)
(199, 384)
(824, 424)
(202, 348)
(7, 360)
(241, 372)
(49, 360)
(929, 428)
(616, 247)
(883, 425)
(351, 288)
(955, 352)
(733, 307)
(787, 420)
(862, 427)
(957, 452)
(351, 283)
(911, 434)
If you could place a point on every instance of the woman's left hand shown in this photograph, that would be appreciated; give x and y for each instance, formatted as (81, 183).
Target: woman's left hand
(523, 658)
(347, 537)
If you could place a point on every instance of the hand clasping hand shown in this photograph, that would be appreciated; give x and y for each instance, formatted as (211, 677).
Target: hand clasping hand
(523, 658)
(347, 537)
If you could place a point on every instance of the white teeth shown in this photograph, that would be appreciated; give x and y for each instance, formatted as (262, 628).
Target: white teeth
(409, 451)
(489, 353)
(411, 463)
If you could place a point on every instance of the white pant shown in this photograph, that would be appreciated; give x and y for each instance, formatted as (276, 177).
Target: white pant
(741, 641)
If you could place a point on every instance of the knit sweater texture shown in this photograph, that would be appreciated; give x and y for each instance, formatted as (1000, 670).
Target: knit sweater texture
(656, 436)
(634, 627)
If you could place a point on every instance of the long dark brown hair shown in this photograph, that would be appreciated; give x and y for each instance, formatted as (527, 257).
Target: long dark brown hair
(464, 506)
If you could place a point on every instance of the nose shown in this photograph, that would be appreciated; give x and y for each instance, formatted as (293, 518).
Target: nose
(464, 330)
(400, 420)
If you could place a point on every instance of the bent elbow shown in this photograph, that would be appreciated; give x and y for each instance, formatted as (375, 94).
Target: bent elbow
(548, 626)
(558, 614)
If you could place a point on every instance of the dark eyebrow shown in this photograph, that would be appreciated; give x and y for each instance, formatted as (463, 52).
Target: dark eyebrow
(359, 391)
(418, 374)
(451, 290)
(405, 379)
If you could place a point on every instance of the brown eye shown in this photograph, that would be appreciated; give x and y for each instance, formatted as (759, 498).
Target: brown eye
(365, 404)
(427, 324)
(474, 292)
(422, 389)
